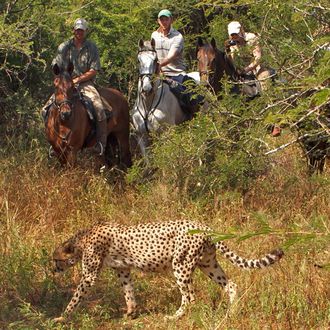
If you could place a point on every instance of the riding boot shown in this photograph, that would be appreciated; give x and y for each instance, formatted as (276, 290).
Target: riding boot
(194, 108)
(101, 136)
(190, 110)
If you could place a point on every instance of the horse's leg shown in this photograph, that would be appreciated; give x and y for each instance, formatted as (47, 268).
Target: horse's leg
(143, 142)
(125, 158)
(134, 146)
(71, 158)
(62, 158)
(111, 150)
(118, 150)
(321, 165)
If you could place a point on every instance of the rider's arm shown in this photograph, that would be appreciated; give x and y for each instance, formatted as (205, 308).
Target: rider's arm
(256, 61)
(85, 76)
(175, 50)
(94, 65)
(172, 55)
(256, 52)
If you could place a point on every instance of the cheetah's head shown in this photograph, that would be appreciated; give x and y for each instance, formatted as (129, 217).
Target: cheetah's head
(65, 256)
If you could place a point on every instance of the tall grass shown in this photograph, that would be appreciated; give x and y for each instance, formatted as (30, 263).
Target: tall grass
(41, 205)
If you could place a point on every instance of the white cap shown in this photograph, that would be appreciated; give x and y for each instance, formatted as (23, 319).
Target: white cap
(234, 27)
(81, 24)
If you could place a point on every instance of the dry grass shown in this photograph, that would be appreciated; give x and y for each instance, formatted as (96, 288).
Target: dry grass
(41, 205)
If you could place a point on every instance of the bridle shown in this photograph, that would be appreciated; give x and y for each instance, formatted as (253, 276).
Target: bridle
(209, 72)
(147, 69)
(151, 54)
(58, 105)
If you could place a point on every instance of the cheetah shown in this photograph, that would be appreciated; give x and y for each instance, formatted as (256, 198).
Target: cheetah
(155, 247)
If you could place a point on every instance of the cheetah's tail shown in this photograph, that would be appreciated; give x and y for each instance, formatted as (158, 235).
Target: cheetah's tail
(238, 261)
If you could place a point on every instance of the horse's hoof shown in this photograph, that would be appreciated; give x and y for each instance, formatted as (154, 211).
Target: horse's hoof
(171, 318)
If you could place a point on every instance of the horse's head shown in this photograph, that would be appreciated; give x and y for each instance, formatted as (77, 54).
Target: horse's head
(148, 64)
(212, 63)
(64, 88)
(206, 54)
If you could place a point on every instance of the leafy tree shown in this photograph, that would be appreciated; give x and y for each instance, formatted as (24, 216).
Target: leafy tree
(294, 36)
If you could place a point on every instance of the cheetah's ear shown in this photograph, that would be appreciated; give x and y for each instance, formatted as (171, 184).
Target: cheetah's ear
(68, 247)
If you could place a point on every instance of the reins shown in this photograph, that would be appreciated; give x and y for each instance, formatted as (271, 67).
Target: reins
(64, 138)
(214, 69)
(65, 101)
(150, 111)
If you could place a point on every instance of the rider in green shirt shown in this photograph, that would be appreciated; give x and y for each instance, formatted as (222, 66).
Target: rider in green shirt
(86, 61)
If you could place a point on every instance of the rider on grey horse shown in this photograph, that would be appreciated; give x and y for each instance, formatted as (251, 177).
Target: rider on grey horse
(169, 47)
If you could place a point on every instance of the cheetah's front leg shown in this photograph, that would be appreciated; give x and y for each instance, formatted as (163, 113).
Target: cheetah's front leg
(88, 279)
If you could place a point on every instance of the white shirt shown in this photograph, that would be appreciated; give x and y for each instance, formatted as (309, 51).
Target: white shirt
(166, 46)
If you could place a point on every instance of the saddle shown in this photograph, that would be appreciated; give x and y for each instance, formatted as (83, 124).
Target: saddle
(91, 109)
(189, 101)
(88, 104)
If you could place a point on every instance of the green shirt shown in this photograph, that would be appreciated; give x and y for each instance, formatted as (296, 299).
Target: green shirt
(84, 59)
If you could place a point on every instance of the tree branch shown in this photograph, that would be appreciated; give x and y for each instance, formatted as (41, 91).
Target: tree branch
(283, 146)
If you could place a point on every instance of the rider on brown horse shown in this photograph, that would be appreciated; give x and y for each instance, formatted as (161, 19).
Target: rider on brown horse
(244, 49)
(86, 61)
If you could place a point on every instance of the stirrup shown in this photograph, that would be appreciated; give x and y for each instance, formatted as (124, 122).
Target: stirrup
(99, 148)
(51, 152)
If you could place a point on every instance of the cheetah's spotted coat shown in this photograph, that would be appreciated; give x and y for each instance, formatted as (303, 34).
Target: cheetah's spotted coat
(150, 247)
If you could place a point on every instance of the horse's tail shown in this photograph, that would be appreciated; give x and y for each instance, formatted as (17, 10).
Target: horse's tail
(241, 262)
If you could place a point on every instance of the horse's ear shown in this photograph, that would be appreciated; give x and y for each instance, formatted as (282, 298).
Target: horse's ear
(141, 44)
(153, 43)
(199, 42)
(213, 43)
(56, 69)
(70, 68)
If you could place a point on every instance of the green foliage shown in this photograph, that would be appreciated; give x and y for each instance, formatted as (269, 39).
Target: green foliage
(220, 153)
(204, 158)
(313, 235)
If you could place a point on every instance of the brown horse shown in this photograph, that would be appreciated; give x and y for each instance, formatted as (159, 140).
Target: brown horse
(213, 64)
(70, 129)
(315, 140)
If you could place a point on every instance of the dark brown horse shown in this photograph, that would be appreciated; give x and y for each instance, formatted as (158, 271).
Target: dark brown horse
(213, 64)
(316, 139)
(70, 129)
